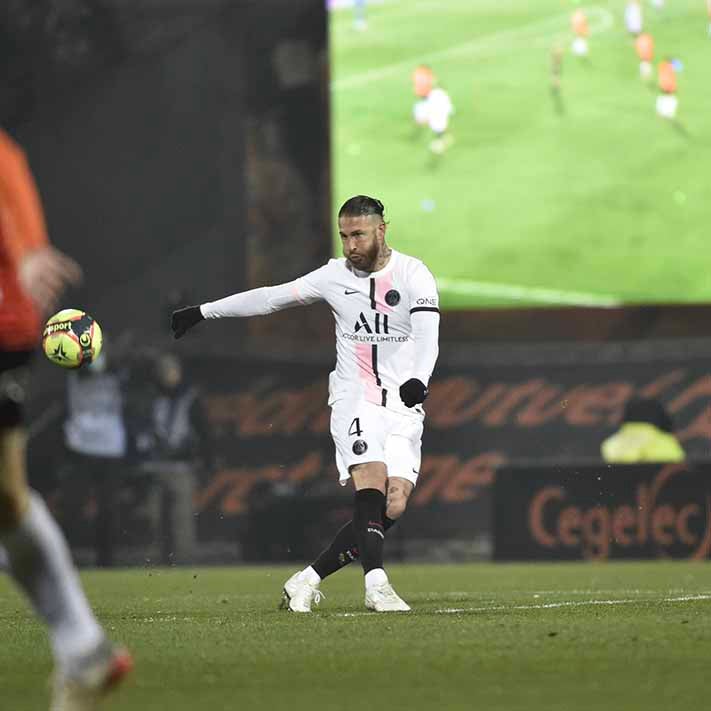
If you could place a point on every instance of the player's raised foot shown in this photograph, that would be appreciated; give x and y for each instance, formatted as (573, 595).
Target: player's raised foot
(382, 598)
(84, 683)
(299, 594)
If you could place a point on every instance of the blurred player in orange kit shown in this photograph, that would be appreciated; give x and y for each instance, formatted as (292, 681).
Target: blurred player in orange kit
(644, 44)
(667, 102)
(423, 81)
(581, 30)
(33, 276)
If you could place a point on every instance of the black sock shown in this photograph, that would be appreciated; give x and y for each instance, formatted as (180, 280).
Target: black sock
(343, 549)
(368, 527)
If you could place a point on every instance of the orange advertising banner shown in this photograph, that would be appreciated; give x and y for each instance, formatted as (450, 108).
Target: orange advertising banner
(602, 512)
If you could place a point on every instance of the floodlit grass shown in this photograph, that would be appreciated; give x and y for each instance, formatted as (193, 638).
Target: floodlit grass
(605, 201)
(624, 637)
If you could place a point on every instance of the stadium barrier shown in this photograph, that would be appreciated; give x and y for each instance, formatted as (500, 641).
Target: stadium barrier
(602, 512)
(273, 459)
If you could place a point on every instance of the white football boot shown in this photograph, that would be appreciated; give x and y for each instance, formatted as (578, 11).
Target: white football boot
(382, 598)
(82, 687)
(299, 594)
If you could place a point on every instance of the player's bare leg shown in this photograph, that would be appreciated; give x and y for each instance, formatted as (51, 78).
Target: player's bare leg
(398, 495)
(40, 564)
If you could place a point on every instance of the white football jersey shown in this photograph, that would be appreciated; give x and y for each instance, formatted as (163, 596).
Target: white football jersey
(386, 323)
(439, 105)
(376, 350)
(633, 17)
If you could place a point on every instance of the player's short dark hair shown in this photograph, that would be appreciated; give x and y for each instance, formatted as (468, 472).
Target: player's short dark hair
(361, 205)
(648, 410)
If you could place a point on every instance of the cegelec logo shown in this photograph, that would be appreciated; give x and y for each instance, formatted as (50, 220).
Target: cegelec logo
(659, 516)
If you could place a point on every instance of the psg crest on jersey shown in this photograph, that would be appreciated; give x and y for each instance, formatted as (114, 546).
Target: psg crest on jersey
(392, 298)
(360, 447)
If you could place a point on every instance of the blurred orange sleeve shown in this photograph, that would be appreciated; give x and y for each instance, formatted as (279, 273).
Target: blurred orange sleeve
(22, 224)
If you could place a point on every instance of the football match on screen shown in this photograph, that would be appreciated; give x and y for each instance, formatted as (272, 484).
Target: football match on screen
(355, 353)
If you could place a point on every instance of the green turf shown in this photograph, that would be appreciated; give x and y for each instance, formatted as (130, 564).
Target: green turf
(212, 639)
(606, 200)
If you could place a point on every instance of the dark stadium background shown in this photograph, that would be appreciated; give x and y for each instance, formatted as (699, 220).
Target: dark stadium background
(179, 159)
(184, 149)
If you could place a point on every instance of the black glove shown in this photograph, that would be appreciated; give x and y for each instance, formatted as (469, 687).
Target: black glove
(413, 392)
(184, 319)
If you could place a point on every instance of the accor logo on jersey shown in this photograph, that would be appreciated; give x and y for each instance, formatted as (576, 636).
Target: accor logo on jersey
(380, 324)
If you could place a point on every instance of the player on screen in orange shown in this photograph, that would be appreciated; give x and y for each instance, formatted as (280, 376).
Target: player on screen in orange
(667, 102)
(33, 276)
(644, 44)
(581, 30)
(423, 81)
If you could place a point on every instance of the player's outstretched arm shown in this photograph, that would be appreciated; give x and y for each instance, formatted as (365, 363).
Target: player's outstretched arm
(255, 302)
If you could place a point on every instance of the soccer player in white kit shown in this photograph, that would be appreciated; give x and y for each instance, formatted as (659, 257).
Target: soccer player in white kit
(439, 109)
(633, 17)
(386, 310)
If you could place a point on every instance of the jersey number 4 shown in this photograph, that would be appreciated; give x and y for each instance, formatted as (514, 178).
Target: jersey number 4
(355, 429)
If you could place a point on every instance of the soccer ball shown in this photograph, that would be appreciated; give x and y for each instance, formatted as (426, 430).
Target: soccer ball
(72, 338)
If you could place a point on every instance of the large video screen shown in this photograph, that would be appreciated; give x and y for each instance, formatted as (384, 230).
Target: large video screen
(532, 153)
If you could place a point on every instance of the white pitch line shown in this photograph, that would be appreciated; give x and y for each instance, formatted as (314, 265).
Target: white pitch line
(346, 4)
(574, 603)
(550, 605)
(525, 293)
(601, 20)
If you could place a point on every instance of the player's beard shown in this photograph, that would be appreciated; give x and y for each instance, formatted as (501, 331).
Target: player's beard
(365, 260)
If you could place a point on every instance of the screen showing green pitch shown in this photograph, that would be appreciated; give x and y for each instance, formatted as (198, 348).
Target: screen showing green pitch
(524, 152)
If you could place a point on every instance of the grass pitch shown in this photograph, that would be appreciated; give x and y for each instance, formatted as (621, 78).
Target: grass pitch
(496, 637)
(601, 204)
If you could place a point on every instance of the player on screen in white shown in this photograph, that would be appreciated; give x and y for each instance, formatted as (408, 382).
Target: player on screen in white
(360, 21)
(439, 111)
(386, 310)
(633, 17)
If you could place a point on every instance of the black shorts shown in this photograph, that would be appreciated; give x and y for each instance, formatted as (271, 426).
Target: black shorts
(14, 378)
